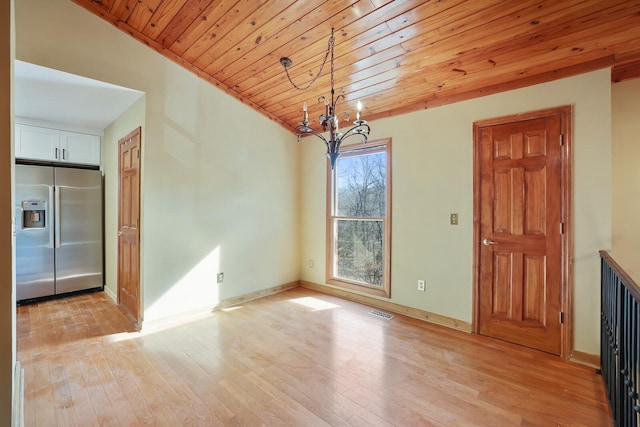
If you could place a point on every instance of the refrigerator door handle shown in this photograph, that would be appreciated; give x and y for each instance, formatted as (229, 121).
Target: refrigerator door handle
(57, 215)
(48, 220)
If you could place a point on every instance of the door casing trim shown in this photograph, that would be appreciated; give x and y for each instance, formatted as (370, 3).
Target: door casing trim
(566, 285)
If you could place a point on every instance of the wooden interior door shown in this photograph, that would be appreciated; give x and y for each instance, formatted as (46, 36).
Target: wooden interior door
(521, 230)
(129, 223)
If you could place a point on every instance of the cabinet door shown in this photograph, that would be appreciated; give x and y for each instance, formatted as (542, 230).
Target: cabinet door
(37, 143)
(80, 148)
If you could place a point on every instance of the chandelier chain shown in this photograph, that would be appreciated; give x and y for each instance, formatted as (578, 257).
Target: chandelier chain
(331, 43)
(324, 61)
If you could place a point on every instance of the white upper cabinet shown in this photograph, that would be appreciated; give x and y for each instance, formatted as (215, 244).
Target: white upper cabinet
(52, 145)
(36, 143)
(80, 148)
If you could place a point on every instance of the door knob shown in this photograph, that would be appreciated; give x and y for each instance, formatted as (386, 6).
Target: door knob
(120, 233)
(488, 242)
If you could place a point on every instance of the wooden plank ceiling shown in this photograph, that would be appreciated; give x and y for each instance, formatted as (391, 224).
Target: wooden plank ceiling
(394, 56)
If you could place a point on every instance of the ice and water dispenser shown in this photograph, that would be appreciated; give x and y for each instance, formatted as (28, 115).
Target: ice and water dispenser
(33, 214)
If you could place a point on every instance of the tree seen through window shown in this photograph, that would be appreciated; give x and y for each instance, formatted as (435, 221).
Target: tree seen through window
(359, 213)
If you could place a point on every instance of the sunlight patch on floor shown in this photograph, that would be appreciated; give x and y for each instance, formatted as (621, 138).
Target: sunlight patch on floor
(122, 336)
(314, 303)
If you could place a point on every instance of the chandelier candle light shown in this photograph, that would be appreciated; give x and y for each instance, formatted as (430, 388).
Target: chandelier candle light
(330, 119)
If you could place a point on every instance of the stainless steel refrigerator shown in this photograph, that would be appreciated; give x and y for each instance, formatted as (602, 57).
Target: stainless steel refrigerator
(58, 230)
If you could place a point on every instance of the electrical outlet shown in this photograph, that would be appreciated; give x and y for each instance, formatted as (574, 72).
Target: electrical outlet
(421, 285)
(311, 263)
(220, 277)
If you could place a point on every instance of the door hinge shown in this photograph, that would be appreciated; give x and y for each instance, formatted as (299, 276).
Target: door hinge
(562, 228)
(561, 140)
(138, 154)
(561, 317)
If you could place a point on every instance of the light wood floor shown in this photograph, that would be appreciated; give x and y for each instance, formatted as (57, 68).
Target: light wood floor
(297, 358)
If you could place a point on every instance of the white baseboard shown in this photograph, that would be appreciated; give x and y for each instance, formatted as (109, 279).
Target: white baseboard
(17, 412)
(111, 295)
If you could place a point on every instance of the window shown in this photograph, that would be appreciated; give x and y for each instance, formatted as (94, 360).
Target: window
(359, 220)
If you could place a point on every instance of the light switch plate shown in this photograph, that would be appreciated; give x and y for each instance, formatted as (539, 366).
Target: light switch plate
(453, 219)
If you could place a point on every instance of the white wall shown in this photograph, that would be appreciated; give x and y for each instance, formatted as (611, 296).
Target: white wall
(7, 263)
(433, 176)
(626, 176)
(219, 181)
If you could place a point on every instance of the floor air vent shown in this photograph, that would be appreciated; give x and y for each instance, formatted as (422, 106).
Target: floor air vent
(382, 314)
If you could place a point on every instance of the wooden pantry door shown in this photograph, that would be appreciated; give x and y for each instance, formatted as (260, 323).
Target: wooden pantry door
(129, 223)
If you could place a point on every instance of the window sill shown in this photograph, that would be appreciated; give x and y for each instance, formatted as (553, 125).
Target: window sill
(371, 290)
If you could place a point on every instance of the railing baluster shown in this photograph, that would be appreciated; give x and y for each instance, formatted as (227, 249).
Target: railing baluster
(633, 379)
(636, 407)
(620, 342)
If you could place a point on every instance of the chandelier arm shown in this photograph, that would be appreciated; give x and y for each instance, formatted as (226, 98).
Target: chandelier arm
(354, 131)
(362, 135)
(344, 114)
(305, 130)
(338, 98)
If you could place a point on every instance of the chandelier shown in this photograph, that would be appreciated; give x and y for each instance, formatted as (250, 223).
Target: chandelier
(330, 119)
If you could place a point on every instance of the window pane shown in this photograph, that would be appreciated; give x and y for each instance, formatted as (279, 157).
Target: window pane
(359, 251)
(361, 182)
